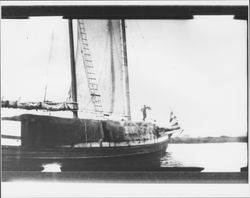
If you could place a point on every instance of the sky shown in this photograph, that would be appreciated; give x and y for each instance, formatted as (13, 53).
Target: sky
(196, 68)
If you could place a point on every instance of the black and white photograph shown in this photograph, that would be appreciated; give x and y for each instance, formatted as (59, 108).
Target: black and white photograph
(143, 98)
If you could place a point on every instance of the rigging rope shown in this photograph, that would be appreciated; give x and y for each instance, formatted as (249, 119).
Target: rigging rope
(49, 62)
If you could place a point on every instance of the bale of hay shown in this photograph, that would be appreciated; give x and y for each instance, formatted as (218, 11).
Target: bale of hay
(139, 130)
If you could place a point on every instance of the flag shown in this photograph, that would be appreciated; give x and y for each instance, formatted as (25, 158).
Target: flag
(174, 122)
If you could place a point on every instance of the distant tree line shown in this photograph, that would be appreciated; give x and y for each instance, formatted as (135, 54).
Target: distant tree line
(221, 139)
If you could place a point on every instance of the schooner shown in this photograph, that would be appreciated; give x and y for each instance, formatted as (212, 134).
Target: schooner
(100, 84)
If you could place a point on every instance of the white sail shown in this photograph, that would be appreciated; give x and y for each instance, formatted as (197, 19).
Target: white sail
(105, 47)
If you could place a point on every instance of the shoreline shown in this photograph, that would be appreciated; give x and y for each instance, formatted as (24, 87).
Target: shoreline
(201, 140)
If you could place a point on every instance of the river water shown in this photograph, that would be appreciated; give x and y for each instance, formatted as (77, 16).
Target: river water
(213, 157)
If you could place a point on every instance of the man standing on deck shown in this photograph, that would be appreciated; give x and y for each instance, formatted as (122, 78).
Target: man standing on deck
(144, 111)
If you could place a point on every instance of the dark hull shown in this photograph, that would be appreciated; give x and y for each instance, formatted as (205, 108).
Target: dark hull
(137, 157)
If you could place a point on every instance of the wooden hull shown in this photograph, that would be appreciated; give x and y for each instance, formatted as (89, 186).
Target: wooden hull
(122, 158)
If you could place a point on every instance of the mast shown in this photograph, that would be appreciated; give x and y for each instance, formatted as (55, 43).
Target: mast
(112, 67)
(127, 94)
(73, 66)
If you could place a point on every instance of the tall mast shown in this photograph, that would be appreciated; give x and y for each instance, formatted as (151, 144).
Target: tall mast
(127, 93)
(112, 67)
(73, 66)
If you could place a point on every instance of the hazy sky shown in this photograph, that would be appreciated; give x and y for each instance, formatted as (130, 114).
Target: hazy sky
(196, 67)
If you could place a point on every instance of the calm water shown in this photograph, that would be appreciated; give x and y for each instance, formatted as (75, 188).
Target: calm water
(217, 157)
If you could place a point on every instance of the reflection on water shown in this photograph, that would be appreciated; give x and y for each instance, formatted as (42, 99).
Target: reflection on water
(168, 161)
(217, 157)
(52, 167)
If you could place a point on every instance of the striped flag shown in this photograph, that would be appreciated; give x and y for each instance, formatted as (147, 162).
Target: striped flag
(174, 122)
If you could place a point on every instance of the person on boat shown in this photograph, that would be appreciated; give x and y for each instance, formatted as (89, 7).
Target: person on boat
(156, 130)
(144, 111)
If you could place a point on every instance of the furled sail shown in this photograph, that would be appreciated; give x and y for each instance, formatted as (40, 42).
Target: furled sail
(45, 105)
(104, 44)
